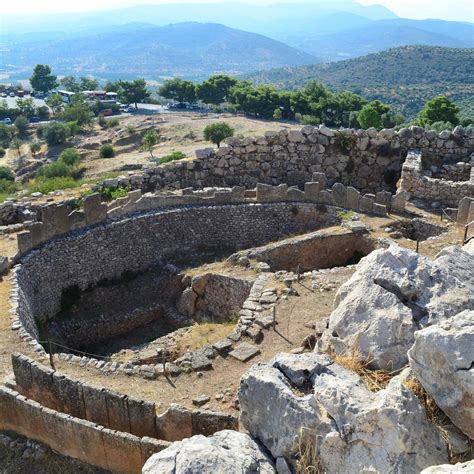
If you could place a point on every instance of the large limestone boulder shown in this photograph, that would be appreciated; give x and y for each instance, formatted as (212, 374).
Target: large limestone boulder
(459, 468)
(394, 293)
(442, 358)
(295, 400)
(226, 451)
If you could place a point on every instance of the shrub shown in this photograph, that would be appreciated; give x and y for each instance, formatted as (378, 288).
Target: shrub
(6, 174)
(8, 187)
(69, 156)
(130, 129)
(43, 112)
(101, 121)
(22, 124)
(2, 152)
(217, 132)
(5, 135)
(107, 151)
(278, 114)
(149, 140)
(175, 156)
(55, 133)
(113, 122)
(35, 147)
(344, 141)
(55, 170)
(111, 195)
(73, 128)
(48, 185)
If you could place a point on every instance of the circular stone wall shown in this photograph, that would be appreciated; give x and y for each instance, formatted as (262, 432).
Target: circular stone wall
(84, 258)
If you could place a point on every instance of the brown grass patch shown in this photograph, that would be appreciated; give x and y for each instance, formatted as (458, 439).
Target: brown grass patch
(308, 460)
(202, 334)
(375, 379)
(438, 418)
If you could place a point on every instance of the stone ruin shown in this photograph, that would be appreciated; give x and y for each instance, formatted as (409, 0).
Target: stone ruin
(272, 206)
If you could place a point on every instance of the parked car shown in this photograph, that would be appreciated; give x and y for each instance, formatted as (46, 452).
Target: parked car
(34, 119)
(107, 112)
(4, 94)
(6, 121)
(130, 109)
(12, 94)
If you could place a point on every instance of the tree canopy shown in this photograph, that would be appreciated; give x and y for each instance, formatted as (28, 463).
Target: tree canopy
(439, 109)
(216, 89)
(42, 79)
(217, 132)
(133, 92)
(179, 90)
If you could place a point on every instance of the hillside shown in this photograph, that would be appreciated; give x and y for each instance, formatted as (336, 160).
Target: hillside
(192, 50)
(339, 37)
(405, 77)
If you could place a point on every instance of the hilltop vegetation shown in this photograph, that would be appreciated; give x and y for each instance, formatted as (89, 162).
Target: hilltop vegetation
(404, 77)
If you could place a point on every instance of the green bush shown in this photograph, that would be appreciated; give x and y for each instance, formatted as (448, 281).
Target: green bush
(101, 121)
(54, 170)
(22, 124)
(107, 151)
(175, 156)
(48, 185)
(344, 141)
(6, 133)
(35, 147)
(111, 195)
(2, 152)
(70, 156)
(6, 174)
(55, 133)
(217, 132)
(73, 128)
(8, 187)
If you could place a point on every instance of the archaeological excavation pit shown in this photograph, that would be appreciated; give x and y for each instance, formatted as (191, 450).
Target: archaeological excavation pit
(105, 288)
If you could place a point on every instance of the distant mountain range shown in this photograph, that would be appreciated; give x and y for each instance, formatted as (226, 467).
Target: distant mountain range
(405, 77)
(192, 50)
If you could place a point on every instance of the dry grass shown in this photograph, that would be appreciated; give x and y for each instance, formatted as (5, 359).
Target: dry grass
(376, 379)
(202, 334)
(308, 461)
(437, 417)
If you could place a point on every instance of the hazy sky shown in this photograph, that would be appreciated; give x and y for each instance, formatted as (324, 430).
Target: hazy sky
(446, 9)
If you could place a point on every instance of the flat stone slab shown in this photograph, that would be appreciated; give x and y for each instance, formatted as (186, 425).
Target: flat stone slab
(265, 321)
(201, 400)
(200, 362)
(244, 352)
(224, 345)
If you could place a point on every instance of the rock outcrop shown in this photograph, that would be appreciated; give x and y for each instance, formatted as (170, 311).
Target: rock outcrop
(459, 468)
(442, 359)
(225, 451)
(394, 293)
(303, 399)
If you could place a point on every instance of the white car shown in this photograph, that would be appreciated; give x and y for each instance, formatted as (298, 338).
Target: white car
(4, 94)
(12, 94)
(6, 121)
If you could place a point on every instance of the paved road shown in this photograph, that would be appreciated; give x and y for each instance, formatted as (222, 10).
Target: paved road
(11, 101)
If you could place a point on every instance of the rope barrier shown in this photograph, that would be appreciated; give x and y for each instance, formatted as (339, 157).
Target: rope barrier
(51, 343)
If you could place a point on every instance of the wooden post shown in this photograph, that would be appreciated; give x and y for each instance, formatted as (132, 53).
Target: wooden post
(465, 233)
(50, 348)
(163, 361)
(417, 246)
(274, 318)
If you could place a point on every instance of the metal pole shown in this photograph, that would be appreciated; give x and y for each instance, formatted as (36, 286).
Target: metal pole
(51, 361)
(417, 245)
(274, 317)
(465, 234)
(163, 361)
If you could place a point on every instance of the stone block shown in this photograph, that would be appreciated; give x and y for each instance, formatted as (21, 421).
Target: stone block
(398, 202)
(311, 191)
(87, 438)
(339, 194)
(37, 234)
(223, 197)
(384, 198)
(77, 220)
(379, 209)
(150, 446)
(321, 179)
(174, 424)
(134, 195)
(68, 395)
(94, 210)
(117, 411)
(244, 352)
(42, 389)
(463, 210)
(24, 242)
(267, 193)
(352, 198)
(142, 417)
(238, 193)
(325, 197)
(55, 220)
(123, 451)
(366, 204)
(95, 405)
(294, 194)
(22, 371)
(206, 422)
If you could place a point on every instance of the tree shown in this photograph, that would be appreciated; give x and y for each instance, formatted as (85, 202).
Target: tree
(111, 86)
(107, 151)
(55, 133)
(22, 124)
(6, 173)
(149, 140)
(439, 109)
(369, 117)
(26, 107)
(133, 92)
(77, 110)
(179, 90)
(70, 156)
(6, 134)
(55, 102)
(217, 132)
(69, 83)
(35, 147)
(216, 89)
(42, 80)
(278, 114)
(17, 144)
(88, 84)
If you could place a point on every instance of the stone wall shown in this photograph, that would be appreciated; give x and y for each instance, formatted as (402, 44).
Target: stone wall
(420, 184)
(311, 252)
(88, 256)
(74, 437)
(365, 159)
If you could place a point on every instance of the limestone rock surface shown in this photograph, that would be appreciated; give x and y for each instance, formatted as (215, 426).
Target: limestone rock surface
(394, 293)
(442, 359)
(459, 468)
(225, 452)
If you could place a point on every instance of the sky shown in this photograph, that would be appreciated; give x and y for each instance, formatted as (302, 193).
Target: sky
(462, 10)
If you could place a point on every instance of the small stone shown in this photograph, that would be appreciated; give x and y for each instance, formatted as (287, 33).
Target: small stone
(201, 400)
(244, 352)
